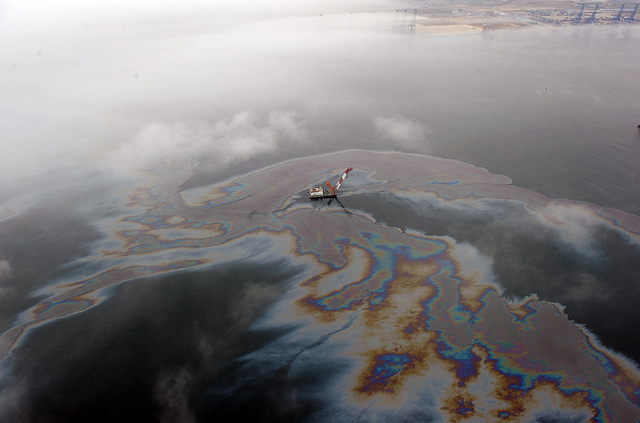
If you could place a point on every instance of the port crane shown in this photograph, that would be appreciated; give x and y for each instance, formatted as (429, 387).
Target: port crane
(579, 17)
(633, 15)
(619, 15)
(332, 191)
(592, 19)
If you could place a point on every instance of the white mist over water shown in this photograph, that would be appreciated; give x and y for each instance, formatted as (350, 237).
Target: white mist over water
(554, 109)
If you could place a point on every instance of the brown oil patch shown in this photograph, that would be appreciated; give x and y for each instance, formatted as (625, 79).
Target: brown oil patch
(459, 407)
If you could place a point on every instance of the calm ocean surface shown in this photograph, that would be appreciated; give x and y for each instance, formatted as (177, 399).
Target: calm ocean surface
(557, 114)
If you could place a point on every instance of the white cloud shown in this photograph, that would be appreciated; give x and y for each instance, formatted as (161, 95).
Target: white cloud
(5, 270)
(574, 223)
(586, 287)
(474, 266)
(181, 144)
(172, 395)
(402, 132)
(13, 401)
(77, 77)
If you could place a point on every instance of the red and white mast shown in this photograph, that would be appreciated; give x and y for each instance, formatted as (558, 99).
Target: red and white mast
(344, 176)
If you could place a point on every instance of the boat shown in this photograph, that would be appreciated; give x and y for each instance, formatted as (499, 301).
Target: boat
(332, 192)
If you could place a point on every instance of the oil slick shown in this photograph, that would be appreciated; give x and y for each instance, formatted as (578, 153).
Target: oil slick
(408, 323)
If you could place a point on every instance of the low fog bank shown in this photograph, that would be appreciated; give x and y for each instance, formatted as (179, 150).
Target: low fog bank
(82, 83)
(221, 89)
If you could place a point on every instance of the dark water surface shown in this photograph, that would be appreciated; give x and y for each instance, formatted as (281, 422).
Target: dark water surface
(164, 338)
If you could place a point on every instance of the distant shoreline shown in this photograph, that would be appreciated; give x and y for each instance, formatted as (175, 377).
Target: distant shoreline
(441, 17)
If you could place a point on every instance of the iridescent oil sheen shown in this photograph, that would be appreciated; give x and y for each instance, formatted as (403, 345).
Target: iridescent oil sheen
(416, 322)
